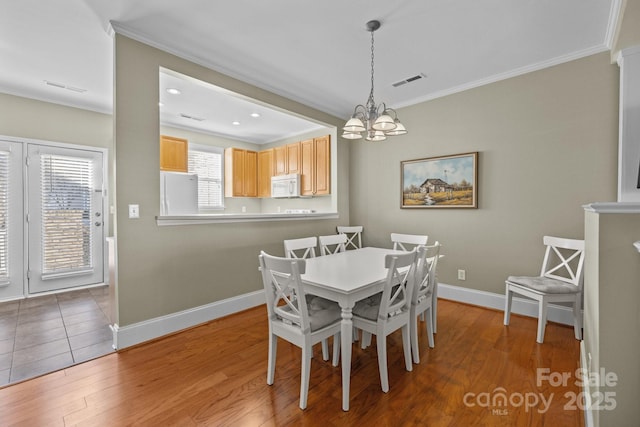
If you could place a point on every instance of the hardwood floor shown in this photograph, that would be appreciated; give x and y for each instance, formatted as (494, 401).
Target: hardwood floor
(215, 374)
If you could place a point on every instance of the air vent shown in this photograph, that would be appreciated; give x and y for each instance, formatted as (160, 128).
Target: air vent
(76, 89)
(63, 86)
(409, 80)
(187, 116)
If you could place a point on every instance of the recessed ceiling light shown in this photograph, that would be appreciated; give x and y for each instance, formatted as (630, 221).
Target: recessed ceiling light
(256, 115)
(173, 91)
(235, 123)
(160, 104)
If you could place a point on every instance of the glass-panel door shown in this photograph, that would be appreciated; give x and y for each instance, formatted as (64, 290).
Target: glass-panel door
(65, 218)
(11, 220)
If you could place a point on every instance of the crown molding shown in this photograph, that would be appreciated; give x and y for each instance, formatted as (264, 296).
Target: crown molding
(507, 75)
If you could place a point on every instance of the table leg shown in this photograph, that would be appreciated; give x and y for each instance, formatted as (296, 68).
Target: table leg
(346, 337)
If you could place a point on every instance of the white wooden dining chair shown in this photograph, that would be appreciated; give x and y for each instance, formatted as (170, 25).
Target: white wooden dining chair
(560, 280)
(354, 235)
(332, 244)
(302, 324)
(389, 311)
(423, 294)
(406, 242)
(301, 248)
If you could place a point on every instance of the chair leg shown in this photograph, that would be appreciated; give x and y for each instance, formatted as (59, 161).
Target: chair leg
(365, 340)
(382, 362)
(406, 347)
(542, 320)
(577, 318)
(507, 304)
(336, 349)
(325, 350)
(307, 351)
(434, 306)
(414, 337)
(430, 331)
(271, 368)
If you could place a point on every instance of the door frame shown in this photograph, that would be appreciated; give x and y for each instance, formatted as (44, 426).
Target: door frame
(106, 208)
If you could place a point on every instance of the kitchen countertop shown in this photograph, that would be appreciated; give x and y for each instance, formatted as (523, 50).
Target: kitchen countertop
(242, 217)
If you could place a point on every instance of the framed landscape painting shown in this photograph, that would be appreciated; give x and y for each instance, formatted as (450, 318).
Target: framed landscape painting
(440, 182)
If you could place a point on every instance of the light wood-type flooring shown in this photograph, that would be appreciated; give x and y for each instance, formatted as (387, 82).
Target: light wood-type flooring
(480, 373)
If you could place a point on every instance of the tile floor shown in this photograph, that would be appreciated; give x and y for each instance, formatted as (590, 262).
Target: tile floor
(43, 334)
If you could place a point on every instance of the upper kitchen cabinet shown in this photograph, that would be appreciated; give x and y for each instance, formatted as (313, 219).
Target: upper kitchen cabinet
(240, 173)
(280, 160)
(265, 172)
(287, 159)
(293, 158)
(173, 154)
(315, 166)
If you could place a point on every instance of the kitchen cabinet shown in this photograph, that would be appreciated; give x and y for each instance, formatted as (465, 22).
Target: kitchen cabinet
(266, 165)
(280, 160)
(293, 158)
(174, 154)
(287, 159)
(240, 173)
(315, 166)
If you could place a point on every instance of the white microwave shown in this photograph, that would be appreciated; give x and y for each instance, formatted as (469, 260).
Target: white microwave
(285, 185)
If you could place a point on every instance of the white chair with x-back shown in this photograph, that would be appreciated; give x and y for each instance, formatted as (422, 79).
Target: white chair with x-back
(354, 235)
(560, 280)
(302, 324)
(406, 242)
(332, 243)
(301, 248)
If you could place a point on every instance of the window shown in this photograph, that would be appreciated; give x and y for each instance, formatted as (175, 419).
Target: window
(207, 162)
(4, 216)
(66, 190)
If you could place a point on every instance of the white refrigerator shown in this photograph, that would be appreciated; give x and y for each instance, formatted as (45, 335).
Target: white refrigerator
(178, 193)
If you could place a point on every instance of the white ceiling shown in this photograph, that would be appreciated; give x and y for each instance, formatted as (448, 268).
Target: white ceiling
(314, 52)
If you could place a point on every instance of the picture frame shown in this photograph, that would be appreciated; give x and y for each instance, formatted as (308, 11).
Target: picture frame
(440, 182)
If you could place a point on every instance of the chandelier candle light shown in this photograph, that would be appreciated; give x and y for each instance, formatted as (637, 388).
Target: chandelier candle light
(375, 121)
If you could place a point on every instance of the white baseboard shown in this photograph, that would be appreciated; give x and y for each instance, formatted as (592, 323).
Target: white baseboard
(127, 336)
(137, 333)
(526, 307)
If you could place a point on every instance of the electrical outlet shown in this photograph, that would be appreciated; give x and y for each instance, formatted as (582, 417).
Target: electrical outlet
(462, 275)
(134, 211)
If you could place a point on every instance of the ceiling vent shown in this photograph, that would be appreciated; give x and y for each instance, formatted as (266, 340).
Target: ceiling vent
(187, 116)
(63, 86)
(409, 80)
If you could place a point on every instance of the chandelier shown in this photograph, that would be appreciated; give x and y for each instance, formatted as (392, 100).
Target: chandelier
(376, 122)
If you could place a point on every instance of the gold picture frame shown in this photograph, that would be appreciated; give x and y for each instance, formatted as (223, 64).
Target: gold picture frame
(440, 182)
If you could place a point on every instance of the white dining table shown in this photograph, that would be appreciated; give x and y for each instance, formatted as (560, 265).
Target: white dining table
(347, 277)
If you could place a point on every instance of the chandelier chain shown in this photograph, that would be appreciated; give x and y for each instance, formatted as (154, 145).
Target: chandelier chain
(374, 122)
(371, 101)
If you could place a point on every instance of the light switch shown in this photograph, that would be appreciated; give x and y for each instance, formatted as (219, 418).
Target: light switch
(134, 211)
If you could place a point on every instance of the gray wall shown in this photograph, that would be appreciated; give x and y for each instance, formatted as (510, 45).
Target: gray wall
(28, 118)
(163, 270)
(547, 144)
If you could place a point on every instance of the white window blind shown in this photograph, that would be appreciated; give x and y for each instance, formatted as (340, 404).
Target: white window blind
(207, 163)
(66, 213)
(4, 216)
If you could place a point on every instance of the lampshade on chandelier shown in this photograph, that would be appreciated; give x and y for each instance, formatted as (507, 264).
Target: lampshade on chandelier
(374, 122)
